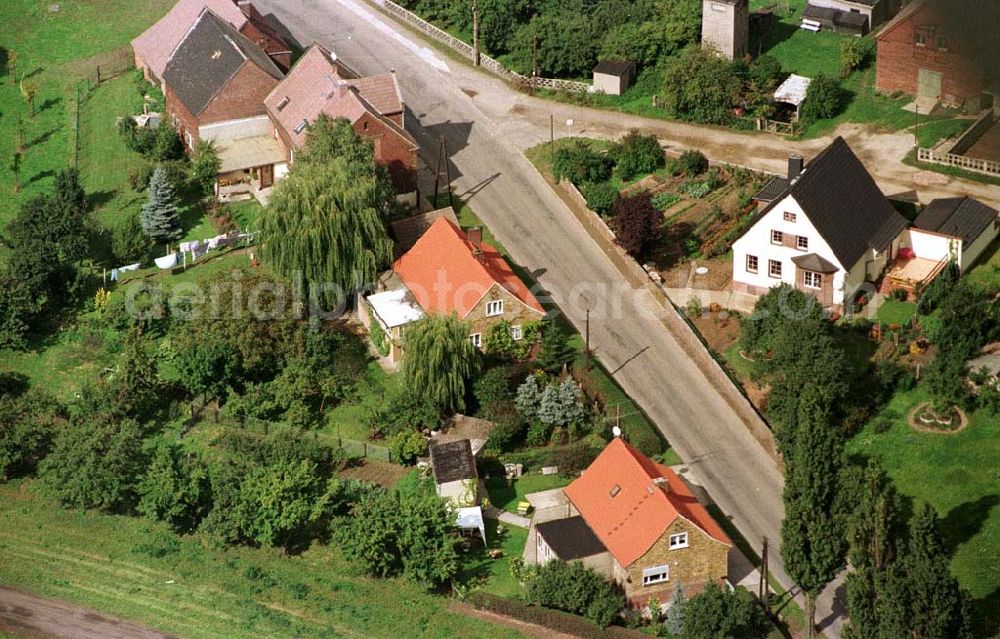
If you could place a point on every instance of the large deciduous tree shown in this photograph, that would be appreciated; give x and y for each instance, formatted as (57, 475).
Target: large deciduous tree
(637, 225)
(325, 222)
(439, 360)
(701, 87)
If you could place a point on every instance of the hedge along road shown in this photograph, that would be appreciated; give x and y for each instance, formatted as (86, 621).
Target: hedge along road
(489, 170)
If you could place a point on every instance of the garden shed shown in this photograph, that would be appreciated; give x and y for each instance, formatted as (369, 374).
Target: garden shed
(613, 77)
(793, 92)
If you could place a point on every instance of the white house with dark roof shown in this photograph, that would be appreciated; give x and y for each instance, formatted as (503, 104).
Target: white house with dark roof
(957, 227)
(830, 231)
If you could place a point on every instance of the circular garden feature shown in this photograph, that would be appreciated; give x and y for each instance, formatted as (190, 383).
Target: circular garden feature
(926, 419)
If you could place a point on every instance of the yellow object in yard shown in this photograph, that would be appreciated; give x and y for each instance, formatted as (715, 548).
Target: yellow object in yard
(523, 508)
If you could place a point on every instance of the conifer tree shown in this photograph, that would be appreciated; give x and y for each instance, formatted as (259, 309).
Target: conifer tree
(675, 614)
(160, 217)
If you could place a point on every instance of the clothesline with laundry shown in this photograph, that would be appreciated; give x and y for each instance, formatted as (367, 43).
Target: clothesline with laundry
(197, 249)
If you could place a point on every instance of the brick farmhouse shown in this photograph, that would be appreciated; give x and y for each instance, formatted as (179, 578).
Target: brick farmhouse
(918, 55)
(319, 84)
(449, 271)
(636, 522)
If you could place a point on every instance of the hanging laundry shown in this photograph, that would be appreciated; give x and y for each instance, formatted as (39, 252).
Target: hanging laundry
(198, 249)
(130, 267)
(186, 246)
(167, 261)
(213, 243)
(114, 275)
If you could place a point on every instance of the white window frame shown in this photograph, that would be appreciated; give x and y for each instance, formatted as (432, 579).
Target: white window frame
(678, 541)
(812, 280)
(802, 243)
(476, 339)
(789, 216)
(777, 237)
(494, 308)
(656, 575)
(771, 264)
(516, 333)
(756, 263)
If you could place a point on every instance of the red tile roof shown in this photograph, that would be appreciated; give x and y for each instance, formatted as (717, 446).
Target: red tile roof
(315, 85)
(648, 499)
(156, 44)
(445, 276)
(381, 91)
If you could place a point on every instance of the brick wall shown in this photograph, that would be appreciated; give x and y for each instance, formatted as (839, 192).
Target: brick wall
(899, 60)
(180, 118)
(703, 560)
(277, 51)
(241, 97)
(392, 151)
(514, 311)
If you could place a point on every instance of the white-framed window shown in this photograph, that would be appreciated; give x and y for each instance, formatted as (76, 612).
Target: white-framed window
(476, 339)
(802, 243)
(679, 540)
(774, 268)
(942, 43)
(812, 280)
(920, 38)
(789, 216)
(752, 263)
(777, 237)
(494, 308)
(655, 575)
(516, 333)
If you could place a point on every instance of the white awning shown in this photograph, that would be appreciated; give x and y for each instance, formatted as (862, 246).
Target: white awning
(793, 90)
(471, 518)
(395, 308)
(247, 153)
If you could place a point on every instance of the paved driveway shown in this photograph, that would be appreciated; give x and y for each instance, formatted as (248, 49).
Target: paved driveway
(542, 235)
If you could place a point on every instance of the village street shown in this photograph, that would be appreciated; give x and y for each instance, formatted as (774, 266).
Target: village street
(486, 126)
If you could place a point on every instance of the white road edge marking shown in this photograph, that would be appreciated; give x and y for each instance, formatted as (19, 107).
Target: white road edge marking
(427, 55)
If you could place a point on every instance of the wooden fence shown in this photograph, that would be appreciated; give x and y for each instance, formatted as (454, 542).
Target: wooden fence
(775, 126)
(469, 53)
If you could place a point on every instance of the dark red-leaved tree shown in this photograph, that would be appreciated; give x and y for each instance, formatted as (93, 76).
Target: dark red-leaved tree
(637, 225)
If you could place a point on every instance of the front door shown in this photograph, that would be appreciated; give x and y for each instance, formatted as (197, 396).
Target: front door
(266, 176)
(929, 84)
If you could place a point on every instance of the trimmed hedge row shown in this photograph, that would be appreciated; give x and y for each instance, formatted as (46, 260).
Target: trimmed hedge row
(551, 619)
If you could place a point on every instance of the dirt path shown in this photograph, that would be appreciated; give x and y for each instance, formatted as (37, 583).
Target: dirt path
(528, 629)
(33, 616)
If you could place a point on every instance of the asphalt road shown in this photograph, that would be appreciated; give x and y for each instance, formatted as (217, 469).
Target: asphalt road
(541, 234)
(33, 616)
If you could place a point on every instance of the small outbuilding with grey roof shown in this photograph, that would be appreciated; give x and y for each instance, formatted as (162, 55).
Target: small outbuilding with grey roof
(571, 539)
(614, 77)
(455, 475)
(968, 226)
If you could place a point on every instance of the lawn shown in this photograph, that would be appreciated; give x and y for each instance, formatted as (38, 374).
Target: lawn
(493, 575)
(986, 274)
(55, 51)
(798, 50)
(958, 475)
(930, 134)
(188, 587)
(896, 312)
(506, 496)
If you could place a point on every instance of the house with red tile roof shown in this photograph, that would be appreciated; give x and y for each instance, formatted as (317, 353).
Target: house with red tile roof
(320, 84)
(154, 46)
(636, 521)
(451, 271)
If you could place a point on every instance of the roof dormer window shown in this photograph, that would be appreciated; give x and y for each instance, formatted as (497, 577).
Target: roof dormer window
(284, 102)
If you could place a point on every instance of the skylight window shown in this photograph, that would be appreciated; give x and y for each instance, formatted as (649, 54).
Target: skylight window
(615, 490)
(301, 126)
(284, 102)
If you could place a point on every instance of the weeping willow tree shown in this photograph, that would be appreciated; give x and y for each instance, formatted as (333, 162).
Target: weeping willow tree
(325, 222)
(439, 360)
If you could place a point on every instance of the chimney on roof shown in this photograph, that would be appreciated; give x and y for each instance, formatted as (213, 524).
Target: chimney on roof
(795, 165)
(475, 237)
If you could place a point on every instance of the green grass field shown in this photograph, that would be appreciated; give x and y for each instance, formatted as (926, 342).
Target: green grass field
(493, 575)
(186, 586)
(896, 312)
(55, 50)
(506, 496)
(985, 275)
(958, 475)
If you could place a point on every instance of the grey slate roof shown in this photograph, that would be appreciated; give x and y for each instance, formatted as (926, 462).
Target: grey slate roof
(842, 201)
(771, 191)
(614, 67)
(570, 538)
(815, 263)
(453, 461)
(209, 55)
(960, 217)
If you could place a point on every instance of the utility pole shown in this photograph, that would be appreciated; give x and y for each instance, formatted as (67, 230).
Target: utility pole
(475, 33)
(763, 594)
(534, 56)
(587, 338)
(552, 138)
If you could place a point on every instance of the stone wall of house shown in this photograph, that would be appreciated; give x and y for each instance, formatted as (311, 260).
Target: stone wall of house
(704, 560)
(514, 311)
(392, 150)
(899, 60)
